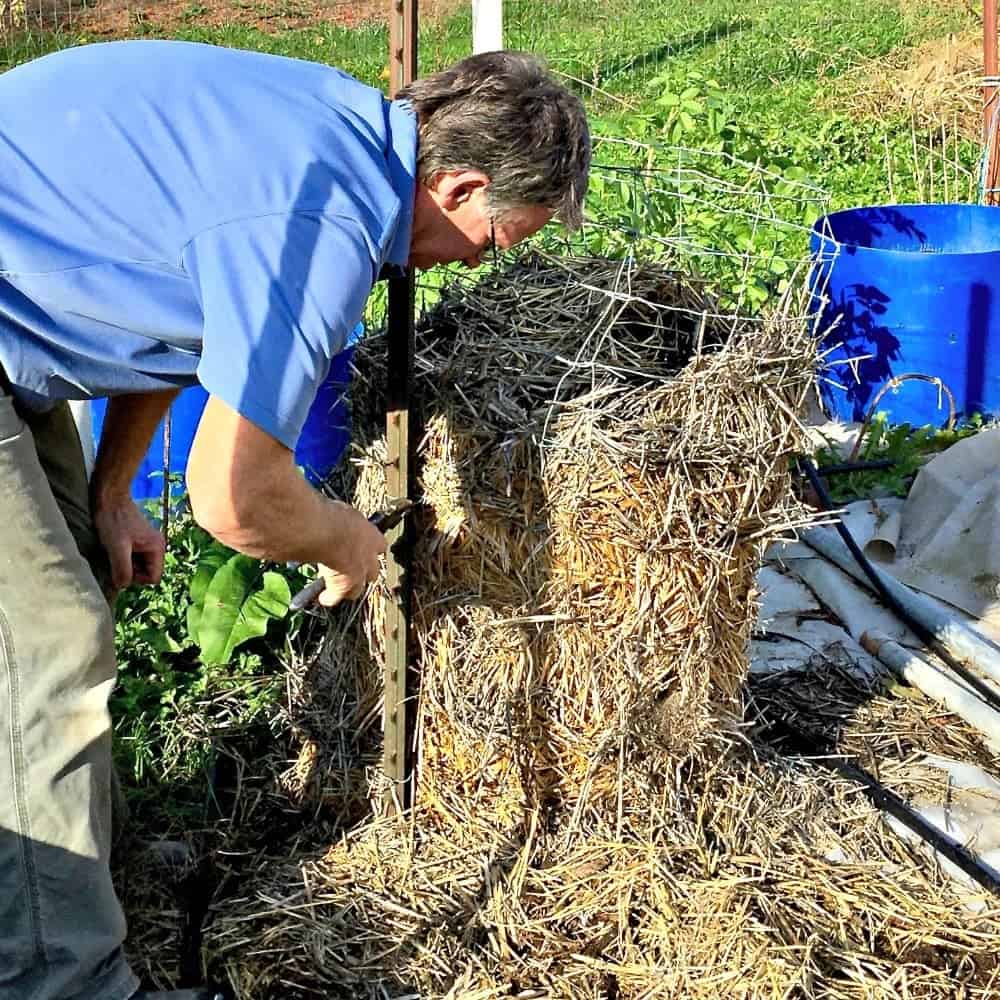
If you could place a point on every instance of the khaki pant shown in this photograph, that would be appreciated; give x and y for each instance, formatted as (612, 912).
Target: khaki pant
(61, 927)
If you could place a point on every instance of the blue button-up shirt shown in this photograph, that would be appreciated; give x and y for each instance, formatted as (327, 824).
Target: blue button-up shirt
(173, 212)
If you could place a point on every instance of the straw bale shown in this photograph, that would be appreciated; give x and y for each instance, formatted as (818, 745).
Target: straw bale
(599, 476)
(604, 457)
(604, 454)
(595, 570)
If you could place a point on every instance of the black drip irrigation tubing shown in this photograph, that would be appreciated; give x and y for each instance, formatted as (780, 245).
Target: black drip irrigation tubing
(949, 848)
(843, 467)
(983, 690)
(887, 800)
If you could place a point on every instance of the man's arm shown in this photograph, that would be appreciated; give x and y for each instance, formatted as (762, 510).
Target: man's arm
(135, 548)
(245, 490)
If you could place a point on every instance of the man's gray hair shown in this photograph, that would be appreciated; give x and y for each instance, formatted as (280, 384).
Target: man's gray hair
(502, 113)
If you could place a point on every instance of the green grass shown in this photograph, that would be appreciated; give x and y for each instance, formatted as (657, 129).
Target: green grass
(748, 45)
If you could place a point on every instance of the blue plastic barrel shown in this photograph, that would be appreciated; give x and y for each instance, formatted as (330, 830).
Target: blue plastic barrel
(323, 441)
(910, 289)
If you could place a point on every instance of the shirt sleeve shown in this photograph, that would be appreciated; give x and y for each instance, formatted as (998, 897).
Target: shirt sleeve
(279, 295)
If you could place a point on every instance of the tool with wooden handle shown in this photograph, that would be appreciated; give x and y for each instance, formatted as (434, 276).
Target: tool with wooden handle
(385, 520)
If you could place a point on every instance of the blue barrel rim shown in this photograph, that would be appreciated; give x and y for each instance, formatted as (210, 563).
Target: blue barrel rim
(826, 238)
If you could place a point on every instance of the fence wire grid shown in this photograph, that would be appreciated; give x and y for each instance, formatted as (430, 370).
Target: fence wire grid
(615, 46)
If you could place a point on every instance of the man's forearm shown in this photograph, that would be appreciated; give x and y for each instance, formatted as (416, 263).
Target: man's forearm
(277, 515)
(129, 425)
(245, 490)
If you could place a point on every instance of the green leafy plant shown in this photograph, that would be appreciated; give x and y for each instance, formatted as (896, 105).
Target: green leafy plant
(201, 647)
(233, 600)
(908, 448)
(694, 110)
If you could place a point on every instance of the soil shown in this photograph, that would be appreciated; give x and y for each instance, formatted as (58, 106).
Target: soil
(122, 18)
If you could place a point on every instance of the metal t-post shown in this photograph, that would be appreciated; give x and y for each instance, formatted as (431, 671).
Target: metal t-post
(399, 471)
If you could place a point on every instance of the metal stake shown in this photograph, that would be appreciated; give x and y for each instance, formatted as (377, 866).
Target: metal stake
(399, 471)
(990, 95)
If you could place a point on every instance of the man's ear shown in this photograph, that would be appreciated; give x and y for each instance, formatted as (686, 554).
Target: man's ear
(453, 188)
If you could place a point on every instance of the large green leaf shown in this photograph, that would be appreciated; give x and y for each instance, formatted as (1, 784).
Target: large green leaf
(210, 561)
(239, 603)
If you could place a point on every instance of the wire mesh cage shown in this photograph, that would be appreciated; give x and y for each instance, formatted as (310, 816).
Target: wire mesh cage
(680, 248)
(739, 228)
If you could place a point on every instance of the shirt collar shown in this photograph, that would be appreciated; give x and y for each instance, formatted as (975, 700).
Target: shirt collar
(402, 158)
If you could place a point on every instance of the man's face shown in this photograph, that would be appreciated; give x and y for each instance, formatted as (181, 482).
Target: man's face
(452, 222)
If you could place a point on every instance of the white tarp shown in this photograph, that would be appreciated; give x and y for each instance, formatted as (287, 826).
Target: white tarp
(948, 541)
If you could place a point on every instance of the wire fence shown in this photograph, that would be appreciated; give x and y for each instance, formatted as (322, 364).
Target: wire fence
(22, 18)
(27, 15)
(617, 46)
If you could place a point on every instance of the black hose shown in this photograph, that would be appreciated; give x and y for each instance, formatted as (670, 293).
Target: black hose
(887, 800)
(981, 688)
(842, 467)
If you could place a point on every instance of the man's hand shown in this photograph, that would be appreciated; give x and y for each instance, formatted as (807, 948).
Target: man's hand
(360, 563)
(135, 548)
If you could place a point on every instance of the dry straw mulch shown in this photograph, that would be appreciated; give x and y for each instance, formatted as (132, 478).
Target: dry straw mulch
(12, 15)
(604, 457)
(938, 85)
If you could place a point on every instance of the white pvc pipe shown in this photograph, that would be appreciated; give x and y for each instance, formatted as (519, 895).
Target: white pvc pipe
(936, 684)
(487, 25)
(961, 642)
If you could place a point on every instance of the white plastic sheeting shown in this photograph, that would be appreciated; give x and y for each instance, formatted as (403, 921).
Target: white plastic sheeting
(968, 812)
